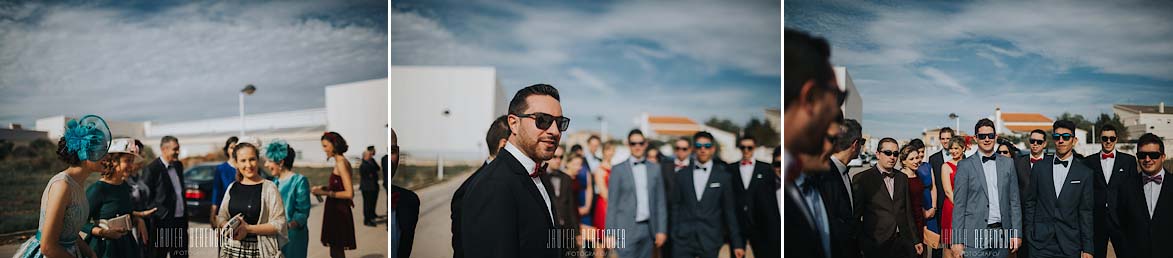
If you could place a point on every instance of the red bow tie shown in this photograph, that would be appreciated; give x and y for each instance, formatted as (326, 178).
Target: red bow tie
(1110, 155)
(746, 162)
(538, 171)
(1155, 179)
(1033, 160)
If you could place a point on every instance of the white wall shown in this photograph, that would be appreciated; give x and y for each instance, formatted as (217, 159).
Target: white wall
(853, 105)
(358, 111)
(231, 125)
(421, 94)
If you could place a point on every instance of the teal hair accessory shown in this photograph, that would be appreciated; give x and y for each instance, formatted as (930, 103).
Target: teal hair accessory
(277, 150)
(89, 137)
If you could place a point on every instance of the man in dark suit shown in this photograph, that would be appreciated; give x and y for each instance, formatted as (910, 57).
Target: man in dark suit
(165, 178)
(944, 135)
(509, 206)
(369, 172)
(1146, 205)
(764, 212)
(636, 201)
(563, 186)
(704, 207)
(495, 139)
(836, 191)
(1059, 204)
(881, 202)
(747, 174)
(669, 167)
(1023, 165)
(1112, 168)
(405, 208)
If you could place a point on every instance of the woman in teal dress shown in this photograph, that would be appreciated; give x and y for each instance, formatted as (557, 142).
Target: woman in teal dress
(64, 206)
(109, 197)
(295, 193)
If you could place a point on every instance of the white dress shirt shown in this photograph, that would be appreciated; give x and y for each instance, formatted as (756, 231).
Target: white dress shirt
(1106, 165)
(640, 172)
(1059, 174)
(700, 177)
(746, 173)
(529, 165)
(889, 182)
(1152, 192)
(179, 199)
(990, 172)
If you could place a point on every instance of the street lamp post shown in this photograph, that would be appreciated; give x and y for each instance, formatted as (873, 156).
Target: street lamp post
(248, 90)
(957, 120)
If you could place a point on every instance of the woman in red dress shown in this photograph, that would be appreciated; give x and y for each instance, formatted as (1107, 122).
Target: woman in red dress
(337, 220)
(602, 179)
(956, 151)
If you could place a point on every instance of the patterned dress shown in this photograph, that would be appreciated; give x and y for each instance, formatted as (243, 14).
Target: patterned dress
(76, 213)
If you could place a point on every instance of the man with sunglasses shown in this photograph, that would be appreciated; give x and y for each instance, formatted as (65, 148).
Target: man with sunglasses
(748, 175)
(882, 205)
(507, 212)
(495, 139)
(1023, 164)
(986, 201)
(1145, 206)
(836, 190)
(703, 206)
(1112, 168)
(637, 204)
(1059, 207)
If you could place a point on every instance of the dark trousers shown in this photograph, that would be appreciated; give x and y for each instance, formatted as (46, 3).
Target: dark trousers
(369, 199)
(170, 237)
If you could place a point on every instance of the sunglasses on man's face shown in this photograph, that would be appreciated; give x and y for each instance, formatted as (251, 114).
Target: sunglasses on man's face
(637, 143)
(1064, 136)
(1153, 155)
(544, 120)
(745, 148)
(888, 152)
(704, 146)
(1108, 138)
(986, 136)
(1037, 141)
(678, 148)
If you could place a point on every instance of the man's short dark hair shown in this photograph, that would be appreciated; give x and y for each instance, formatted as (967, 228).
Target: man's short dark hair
(498, 130)
(371, 148)
(1039, 131)
(594, 138)
(807, 58)
(1150, 138)
(519, 105)
(167, 139)
(852, 132)
(576, 148)
(702, 134)
(1063, 124)
(985, 122)
(1107, 127)
(634, 132)
(945, 130)
(880, 146)
(747, 137)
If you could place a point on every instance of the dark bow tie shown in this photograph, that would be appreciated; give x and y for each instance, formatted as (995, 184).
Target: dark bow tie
(702, 168)
(1065, 163)
(1155, 179)
(991, 157)
(640, 162)
(538, 171)
(889, 174)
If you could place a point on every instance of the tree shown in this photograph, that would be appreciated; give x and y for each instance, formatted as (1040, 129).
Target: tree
(763, 133)
(1080, 123)
(723, 124)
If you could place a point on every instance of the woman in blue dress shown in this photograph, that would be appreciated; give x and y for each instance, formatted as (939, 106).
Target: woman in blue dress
(295, 193)
(64, 208)
(223, 177)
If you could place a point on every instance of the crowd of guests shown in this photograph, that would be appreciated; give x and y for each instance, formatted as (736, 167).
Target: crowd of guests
(126, 214)
(996, 202)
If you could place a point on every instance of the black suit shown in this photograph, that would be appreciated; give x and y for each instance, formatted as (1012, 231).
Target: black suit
(700, 225)
(457, 251)
(668, 175)
(507, 213)
(170, 231)
(801, 235)
(887, 223)
(741, 195)
(563, 198)
(1144, 236)
(763, 212)
(1107, 225)
(407, 214)
(844, 224)
(369, 172)
(1059, 226)
(1023, 167)
(936, 161)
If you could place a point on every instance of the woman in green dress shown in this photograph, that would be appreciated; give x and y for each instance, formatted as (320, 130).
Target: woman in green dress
(295, 193)
(109, 198)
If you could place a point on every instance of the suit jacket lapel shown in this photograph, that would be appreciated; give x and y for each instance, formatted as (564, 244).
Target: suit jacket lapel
(1048, 178)
(1072, 174)
(516, 168)
(686, 175)
(980, 173)
(1164, 200)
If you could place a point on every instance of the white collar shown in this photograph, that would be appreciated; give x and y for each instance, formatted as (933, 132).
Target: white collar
(1032, 155)
(838, 164)
(167, 165)
(526, 162)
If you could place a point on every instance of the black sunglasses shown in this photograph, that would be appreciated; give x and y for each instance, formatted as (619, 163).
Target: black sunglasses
(1033, 141)
(544, 120)
(1153, 155)
(704, 146)
(681, 148)
(637, 143)
(986, 136)
(888, 152)
(745, 147)
(1065, 136)
(1108, 138)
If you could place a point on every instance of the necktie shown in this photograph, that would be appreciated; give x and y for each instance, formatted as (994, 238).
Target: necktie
(1155, 179)
(991, 157)
(1033, 160)
(1057, 162)
(1110, 155)
(746, 162)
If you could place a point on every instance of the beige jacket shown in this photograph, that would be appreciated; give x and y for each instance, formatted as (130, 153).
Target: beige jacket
(272, 213)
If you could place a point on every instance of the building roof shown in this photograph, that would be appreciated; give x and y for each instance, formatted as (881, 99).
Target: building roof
(669, 120)
(1143, 109)
(1027, 128)
(673, 125)
(1025, 118)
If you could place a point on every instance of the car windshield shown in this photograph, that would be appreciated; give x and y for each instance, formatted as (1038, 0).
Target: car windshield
(200, 173)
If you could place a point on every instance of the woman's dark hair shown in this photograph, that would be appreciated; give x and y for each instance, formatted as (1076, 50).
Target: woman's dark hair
(65, 155)
(336, 140)
(108, 163)
(231, 140)
(236, 150)
(289, 157)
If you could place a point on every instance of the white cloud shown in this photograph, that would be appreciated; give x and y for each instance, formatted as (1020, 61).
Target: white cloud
(590, 80)
(943, 79)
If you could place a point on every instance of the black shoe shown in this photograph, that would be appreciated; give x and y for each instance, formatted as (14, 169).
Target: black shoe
(369, 223)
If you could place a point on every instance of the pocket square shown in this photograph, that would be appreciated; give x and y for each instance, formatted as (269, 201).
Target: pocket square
(1076, 181)
(714, 185)
(760, 175)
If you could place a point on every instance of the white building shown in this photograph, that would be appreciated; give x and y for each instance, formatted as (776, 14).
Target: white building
(1141, 119)
(445, 111)
(853, 105)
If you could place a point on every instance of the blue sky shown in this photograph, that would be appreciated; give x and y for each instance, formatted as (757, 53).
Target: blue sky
(914, 63)
(171, 61)
(612, 58)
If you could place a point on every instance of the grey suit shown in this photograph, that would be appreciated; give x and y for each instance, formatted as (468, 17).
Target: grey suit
(971, 206)
(622, 205)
